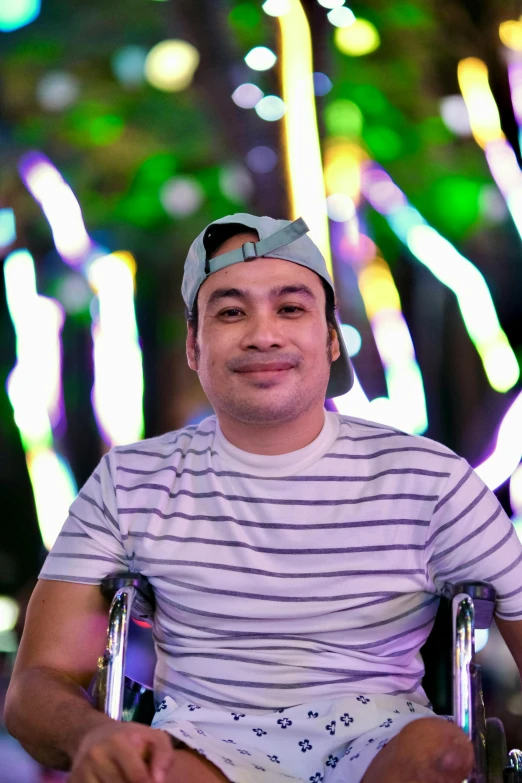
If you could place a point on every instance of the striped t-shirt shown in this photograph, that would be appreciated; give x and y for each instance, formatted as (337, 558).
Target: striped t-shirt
(283, 580)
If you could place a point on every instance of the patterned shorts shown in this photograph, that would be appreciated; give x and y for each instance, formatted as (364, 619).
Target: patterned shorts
(332, 741)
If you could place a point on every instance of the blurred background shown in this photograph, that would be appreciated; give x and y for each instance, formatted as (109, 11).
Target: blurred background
(394, 129)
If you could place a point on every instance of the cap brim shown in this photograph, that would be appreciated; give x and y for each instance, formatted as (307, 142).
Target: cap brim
(341, 371)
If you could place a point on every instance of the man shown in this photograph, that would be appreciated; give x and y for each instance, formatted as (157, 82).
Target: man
(296, 557)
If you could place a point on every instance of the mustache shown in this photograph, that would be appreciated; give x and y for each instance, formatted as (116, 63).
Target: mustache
(238, 363)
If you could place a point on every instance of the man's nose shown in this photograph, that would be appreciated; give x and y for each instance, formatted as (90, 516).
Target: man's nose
(263, 332)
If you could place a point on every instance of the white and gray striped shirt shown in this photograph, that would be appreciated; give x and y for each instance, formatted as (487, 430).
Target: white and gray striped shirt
(287, 579)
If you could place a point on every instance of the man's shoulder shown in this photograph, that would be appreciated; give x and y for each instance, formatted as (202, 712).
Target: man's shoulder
(192, 437)
(373, 437)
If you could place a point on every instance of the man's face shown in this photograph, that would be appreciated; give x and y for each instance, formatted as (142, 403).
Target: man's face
(262, 350)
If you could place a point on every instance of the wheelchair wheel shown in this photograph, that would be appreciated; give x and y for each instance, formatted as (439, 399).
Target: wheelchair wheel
(496, 750)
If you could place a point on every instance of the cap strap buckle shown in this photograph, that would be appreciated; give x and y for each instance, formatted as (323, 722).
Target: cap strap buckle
(249, 251)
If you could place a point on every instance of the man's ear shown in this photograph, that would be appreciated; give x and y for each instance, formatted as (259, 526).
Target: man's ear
(191, 348)
(336, 350)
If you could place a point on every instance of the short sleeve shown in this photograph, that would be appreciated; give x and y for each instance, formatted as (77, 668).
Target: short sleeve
(470, 537)
(89, 546)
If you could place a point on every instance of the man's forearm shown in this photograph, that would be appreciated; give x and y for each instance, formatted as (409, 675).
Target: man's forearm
(49, 714)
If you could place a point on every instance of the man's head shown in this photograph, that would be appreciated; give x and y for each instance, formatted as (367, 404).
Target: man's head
(262, 332)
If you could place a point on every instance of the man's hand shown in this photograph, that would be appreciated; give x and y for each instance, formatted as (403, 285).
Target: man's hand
(123, 753)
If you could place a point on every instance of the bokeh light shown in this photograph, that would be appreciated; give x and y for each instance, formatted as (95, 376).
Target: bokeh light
(270, 108)
(171, 64)
(7, 227)
(261, 159)
(341, 16)
(277, 7)
(182, 196)
(260, 58)
(57, 90)
(340, 207)
(331, 3)
(342, 168)
(17, 13)
(9, 611)
(343, 118)
(491, 204)
(128, 65)
(510, 33)
(236, 183)
(247, 95)
(352, 339)
(357, 39)
(322, 84)
(455, 115)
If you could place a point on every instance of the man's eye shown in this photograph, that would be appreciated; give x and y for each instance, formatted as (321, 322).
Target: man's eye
(231, 312)
(291, 309)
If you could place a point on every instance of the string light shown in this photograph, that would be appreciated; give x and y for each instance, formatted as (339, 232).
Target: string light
(515, 83)
(118, 388)
(302, 146)
(510, 33)
(405, 406)
(34, 390)
(515, 491)
(487, 132)
(506, 455)
(60, 207)
(483, 112)
(452, 269)
(118, 383)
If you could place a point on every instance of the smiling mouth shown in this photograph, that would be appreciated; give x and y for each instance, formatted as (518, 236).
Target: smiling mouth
(255, 369)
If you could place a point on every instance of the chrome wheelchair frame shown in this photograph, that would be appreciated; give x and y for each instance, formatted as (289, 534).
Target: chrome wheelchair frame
(452, 682)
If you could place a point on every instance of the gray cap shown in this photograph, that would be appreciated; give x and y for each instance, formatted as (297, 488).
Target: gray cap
(277, 239)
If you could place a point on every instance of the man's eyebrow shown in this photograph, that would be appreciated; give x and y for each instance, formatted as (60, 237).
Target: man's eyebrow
(225, 293)
(274, 293)
(293, 289)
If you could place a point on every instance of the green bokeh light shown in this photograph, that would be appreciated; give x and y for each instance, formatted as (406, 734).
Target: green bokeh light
(244, 16)
(456, 201)
(105, 130)
(383, 143)
(408, 15)
(369, 98)
(343, 118)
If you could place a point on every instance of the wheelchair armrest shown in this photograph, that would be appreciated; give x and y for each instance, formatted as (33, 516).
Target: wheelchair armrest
(483, 596)
(114, 582)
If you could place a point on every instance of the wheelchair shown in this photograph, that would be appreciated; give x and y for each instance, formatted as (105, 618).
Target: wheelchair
(452, 680)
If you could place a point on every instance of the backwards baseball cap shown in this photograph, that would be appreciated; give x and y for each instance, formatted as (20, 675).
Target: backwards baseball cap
(277, 239)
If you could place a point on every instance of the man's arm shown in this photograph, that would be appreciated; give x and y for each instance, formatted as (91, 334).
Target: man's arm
(47, 708)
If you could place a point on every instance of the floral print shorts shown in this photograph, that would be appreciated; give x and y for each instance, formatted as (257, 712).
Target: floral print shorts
(332, 741)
